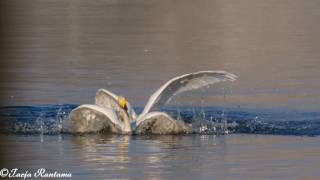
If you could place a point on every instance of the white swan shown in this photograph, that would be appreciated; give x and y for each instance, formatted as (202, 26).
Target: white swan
(108, 115)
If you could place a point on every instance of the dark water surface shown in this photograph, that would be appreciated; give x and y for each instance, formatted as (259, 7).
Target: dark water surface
(54, 119)
(55, 54)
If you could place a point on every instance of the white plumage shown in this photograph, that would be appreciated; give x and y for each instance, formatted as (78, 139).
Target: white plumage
(108, 115)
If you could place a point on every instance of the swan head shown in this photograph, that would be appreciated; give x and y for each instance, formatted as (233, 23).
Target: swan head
(123, 102)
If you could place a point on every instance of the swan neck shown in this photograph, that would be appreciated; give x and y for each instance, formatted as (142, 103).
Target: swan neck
(127, 125)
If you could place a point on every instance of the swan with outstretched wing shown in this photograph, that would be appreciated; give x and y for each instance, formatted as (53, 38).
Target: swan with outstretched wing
(112, 113)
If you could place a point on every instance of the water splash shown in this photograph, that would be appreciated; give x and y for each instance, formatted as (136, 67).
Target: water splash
(44, 119)
(221, 120)
(53, 119)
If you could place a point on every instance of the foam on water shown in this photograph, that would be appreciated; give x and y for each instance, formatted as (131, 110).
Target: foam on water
(53, 119)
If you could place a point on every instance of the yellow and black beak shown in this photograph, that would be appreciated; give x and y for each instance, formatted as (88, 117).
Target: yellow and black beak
(122, 102)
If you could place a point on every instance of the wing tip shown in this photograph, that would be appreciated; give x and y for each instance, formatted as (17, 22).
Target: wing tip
(100, 90)
(225, 74)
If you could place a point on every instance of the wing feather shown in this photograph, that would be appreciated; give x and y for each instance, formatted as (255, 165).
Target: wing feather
(159, 123)
(185, 83)
(91, 118)
(107, 99)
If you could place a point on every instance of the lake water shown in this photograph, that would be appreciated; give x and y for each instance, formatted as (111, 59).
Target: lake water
(55, 54)
(169, 157)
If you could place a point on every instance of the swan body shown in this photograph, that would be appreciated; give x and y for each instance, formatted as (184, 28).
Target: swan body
(160, 123)
(107, 114)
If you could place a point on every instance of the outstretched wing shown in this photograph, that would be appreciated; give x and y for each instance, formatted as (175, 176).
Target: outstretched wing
(91, 118)
(107, 99)
(185, 83)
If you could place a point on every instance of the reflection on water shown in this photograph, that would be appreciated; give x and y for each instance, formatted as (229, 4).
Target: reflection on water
(91, 144)
(62, 51)
(99, 156)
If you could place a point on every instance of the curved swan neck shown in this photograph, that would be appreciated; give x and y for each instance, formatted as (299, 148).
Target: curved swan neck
(126, 121)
